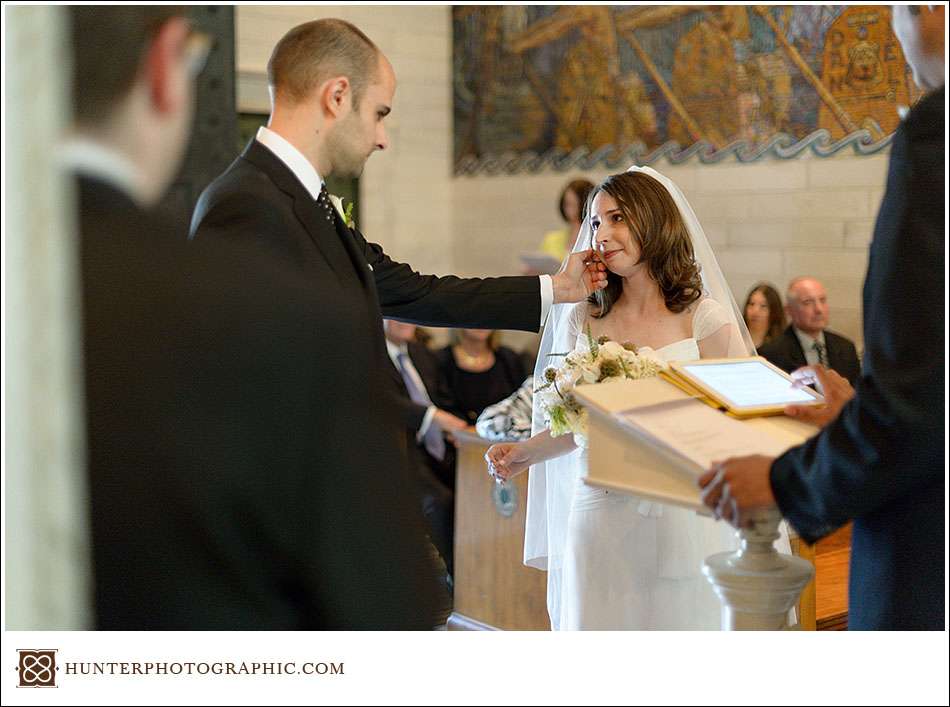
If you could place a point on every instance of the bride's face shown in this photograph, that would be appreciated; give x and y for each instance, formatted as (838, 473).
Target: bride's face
(613, 240)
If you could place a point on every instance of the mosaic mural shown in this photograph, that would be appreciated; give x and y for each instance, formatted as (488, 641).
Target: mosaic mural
(589, 86)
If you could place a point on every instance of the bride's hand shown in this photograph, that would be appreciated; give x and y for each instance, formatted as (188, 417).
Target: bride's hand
(583, 275)
(507, 460)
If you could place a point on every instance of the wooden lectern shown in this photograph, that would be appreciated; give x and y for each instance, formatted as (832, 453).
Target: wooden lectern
(494, 590)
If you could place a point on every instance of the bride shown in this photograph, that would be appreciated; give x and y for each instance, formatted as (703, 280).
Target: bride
(615, 561)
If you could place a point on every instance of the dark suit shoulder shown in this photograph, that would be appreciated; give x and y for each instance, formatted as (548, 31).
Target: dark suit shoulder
(784, 351)
(242, 188)
(421, 354)
(780, 345)
(927, 117)
(839, 340)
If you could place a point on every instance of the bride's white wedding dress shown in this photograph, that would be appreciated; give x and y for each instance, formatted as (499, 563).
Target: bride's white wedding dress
(614, 561)
(634, 564)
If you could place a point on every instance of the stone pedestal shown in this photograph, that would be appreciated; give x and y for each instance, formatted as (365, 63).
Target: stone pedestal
(757, 585)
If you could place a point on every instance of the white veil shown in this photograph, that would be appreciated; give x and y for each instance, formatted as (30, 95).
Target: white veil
(550, 484)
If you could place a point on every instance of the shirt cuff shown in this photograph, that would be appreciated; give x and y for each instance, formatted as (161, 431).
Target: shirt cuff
(547, 297)
(426, 421)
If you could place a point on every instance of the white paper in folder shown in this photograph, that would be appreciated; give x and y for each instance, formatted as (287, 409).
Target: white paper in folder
(698, 434)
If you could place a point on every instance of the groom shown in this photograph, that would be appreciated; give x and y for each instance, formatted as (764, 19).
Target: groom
(332, 88)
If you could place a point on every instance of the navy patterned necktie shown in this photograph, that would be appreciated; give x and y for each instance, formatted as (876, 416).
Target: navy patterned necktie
(323, 200)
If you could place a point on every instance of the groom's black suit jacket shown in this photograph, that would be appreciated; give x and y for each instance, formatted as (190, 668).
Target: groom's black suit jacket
(233, 472)
(259, 199)
(881, 462)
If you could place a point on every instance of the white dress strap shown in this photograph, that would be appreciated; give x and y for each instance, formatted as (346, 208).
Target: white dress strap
(709, 318)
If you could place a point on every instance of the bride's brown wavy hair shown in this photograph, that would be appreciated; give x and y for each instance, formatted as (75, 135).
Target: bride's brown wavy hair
(661, 234)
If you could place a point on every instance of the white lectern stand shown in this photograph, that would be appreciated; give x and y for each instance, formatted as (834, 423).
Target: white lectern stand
(756, 584)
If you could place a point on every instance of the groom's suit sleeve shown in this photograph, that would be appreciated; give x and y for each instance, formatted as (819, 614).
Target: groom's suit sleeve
(888, 441)
(475, 303)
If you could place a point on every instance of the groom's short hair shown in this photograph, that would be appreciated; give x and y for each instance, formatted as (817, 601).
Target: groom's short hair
(313, 52)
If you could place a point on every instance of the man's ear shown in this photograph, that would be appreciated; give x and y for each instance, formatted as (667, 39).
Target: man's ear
(163, 67)
(336, 96)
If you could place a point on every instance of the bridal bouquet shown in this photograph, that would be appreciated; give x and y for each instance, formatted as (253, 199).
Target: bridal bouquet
(601, 361)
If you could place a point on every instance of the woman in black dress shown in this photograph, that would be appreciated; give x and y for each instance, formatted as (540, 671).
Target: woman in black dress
(478, 373)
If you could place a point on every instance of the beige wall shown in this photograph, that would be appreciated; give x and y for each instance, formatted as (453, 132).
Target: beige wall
(771, 220)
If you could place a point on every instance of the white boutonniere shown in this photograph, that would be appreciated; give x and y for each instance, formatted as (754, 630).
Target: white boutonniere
(347, 213)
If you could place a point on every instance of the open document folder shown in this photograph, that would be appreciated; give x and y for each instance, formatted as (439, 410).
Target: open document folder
(651, 439)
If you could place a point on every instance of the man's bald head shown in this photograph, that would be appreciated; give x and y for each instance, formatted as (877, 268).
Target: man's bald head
(806, 304)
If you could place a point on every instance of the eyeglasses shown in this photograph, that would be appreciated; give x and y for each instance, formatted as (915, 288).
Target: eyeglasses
(198, 46)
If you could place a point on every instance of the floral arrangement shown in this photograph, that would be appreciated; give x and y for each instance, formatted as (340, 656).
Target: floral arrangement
(601, 361)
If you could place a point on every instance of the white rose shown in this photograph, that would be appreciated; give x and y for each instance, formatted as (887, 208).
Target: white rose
(588, 371)
(612, 349)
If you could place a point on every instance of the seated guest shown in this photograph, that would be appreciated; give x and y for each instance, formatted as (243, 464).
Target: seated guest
(417, 377)
(764, 314)
(807, 341)
(477, 372)
(509, 419)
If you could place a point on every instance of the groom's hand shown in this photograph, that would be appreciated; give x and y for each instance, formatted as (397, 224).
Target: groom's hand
(738, 487)
(583, 275)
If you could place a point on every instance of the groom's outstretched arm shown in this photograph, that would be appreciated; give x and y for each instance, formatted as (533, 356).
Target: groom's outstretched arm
(517, 302)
